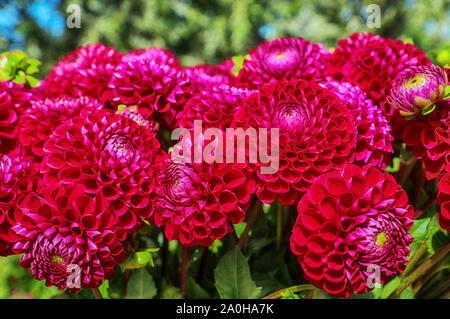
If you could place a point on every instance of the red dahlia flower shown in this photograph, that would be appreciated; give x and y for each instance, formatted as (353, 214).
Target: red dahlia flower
(345, 49)
(417, 89)
(285, 58)
(112, 157)
(316, 135)
(84, 72)
(69, 238)
(38, 123)
(14, 100)
(374, 66)
(429, 138)
(152, 80)
(198, 202)
(374, 140)
(443, 200)
(18, 177)
(352, 223)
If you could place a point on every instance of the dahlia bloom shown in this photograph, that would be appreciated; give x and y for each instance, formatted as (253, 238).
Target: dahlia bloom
(345, 49)
(112, 156)
(84, 72)
(443, 200)
(375, 65)
(350, 223)
(204, 76)
(14, 100)
(138, 115)
(215, 107)
(417, 89)
(151, 79)
(374, 139)
(69, 238)
(317, 134)
(284, 58)
(18, 177)
(38, 122)
(429, 138)
(198, 202)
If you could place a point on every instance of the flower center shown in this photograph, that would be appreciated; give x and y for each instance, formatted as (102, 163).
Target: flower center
(415, 81)
(120, 147)
(57, 259)
(381, 239)
(280, 55)
(177, 183)
(290, 118)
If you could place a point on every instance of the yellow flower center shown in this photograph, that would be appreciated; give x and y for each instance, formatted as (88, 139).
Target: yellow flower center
(57, 259)
(415, 81)
(280, 56)
(381, 239)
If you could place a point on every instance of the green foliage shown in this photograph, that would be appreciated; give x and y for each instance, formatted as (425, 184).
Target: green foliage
(141, 285)
(233, 279)
(16, 65)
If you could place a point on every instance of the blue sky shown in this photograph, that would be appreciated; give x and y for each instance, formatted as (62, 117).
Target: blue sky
(44, 11)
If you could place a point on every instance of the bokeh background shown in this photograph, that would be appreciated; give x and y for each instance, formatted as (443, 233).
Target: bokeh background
(201, 31)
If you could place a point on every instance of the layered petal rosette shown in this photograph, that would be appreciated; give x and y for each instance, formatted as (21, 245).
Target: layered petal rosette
(351, 225)
(112, 157)
(199, 202)
(38, 122)
(443, 200)
(18, 176)
(416, 90)
(374, 140)
(151, 79)
(84, 72)
(316, 132)
(69, 238)
(429, 138)
(284, 58)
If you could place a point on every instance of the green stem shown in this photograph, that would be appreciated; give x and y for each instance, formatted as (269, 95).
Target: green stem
(96, 293)
(250, 222)
(294, 289)
(279, 224)
(415, 258)
(421, 270)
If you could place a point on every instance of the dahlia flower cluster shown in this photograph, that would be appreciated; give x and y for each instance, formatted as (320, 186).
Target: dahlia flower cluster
(84, 162)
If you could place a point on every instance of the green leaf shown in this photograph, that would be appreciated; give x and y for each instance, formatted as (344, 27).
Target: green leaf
(395, 166)
(116, 289)
(288, 294)
(32, 81)
(419, 232)
(239, 228)
(233, 279)
(139, 259)
(169, 291)
(141, 285)
(238, 63)
(194, 290)
(389, 288)
(407, 293)
(438, 238)
(103, 288)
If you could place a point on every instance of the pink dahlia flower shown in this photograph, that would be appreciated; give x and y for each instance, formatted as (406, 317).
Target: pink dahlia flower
(69, 238)
(84, 72)
(317, 134)
(38, 122)
(417, 89)
(153, 81)
(443, 200)
(429, 138)
(112, 156)
(198, 202)
(374, 140)
(285, 58)
(351, 225)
